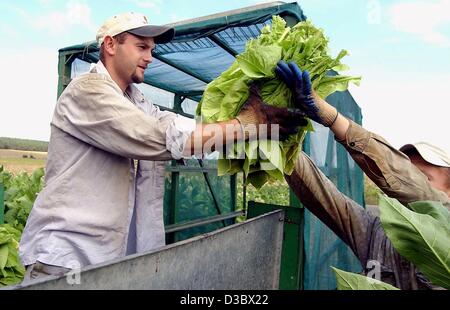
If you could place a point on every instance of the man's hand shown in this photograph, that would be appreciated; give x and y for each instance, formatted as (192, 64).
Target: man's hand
(256, 117)
(306, 99)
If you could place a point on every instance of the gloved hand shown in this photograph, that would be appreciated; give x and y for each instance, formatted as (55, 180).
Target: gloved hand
(255, 113)
(306, 99)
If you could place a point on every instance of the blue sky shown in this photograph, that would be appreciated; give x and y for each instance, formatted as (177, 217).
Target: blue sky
(401, 48)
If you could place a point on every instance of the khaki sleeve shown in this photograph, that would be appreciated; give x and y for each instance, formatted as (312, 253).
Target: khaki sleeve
(388, 168)
(93, 110)
(348, 220)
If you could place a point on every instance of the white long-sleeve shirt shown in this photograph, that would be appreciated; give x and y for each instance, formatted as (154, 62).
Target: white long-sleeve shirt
(83, 214)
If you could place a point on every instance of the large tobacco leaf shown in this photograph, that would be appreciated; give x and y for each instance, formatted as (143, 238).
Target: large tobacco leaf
(421, 234)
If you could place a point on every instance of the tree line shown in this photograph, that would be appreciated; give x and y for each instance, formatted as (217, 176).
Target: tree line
(23, 144)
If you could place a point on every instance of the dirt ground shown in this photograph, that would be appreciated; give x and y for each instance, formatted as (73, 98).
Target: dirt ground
(22, 161)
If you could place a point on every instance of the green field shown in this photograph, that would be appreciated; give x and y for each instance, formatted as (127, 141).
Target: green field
(17, 161)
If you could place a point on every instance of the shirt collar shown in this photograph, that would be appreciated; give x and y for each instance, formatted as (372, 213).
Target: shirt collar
(132, 91)
(99, 67)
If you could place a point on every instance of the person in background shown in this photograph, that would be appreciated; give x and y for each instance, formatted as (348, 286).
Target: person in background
(416, 172)
(105, 136)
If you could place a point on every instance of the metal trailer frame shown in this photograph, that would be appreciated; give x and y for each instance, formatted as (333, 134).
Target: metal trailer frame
(244, 256)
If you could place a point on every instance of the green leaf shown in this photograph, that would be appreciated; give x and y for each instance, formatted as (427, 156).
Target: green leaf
(4, 238)
(432, 208)
(276, 174)
(10, 277)
(5, 228)
(37, 175)
(223, 166)
(257, 65)
(274, 166)
(251, 156)
(331, 84)
(4, 252)
(353, 281)
(422, 238)
(13, 255)
(258, 179)
(234, 99)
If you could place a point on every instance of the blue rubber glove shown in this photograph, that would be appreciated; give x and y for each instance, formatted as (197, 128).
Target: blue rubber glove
(305, 99)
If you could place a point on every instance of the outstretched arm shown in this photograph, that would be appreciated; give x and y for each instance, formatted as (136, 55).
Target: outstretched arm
(351, 222)
(390, 169)
(256, 120)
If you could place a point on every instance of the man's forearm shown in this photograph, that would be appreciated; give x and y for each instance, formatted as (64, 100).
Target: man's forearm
(340, 127)
(207, 138)
(340, 124)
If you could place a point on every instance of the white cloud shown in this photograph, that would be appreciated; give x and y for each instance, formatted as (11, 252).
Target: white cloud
(58, 22)
(154, 5)
(8, 31)
(44, 2)
(422, 19)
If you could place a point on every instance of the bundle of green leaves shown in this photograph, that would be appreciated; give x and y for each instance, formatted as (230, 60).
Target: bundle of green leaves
(224, 97)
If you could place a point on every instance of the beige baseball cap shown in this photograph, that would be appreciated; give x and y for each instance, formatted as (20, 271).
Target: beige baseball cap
(430, 153)
(136, 24)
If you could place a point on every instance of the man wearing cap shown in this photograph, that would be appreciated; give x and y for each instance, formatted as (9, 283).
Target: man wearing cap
(422, 174)
(102, 123)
